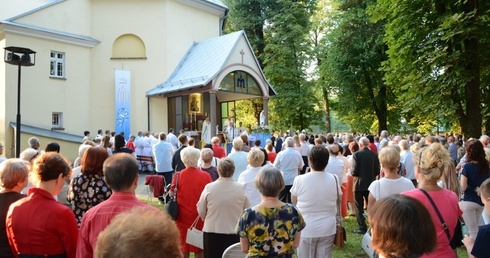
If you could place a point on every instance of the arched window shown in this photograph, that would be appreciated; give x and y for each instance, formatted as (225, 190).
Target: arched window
(240, 82)
(128, 46)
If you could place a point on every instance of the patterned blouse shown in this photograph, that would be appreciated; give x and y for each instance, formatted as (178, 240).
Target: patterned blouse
(86, 192)
(270, 231)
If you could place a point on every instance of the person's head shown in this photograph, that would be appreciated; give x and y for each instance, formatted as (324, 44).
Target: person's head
(29, 155)
(269, 181)
(244, 138)
(319, 141)
(318, 158)
(237, 144)
(113, 134)
(255, 157)
(383, 134)
(171, 130)
(268, 147)
(334, 149)
(86, 133)
(183, 139)
(330, 138)
(226, 167)
(429, 139)
(34, 143)
(160, 234)
(485, 140)
(207, 155)
(431, 161)
(353, 147)
(215, 140)
(52, 147)
(14, 173)
(364, 142)
(401, 226)
(93, 161)
(257, 143)
(484, 191)
(162, 136)
(107, 132)
(50, 166)
(119, 142)
(132, 137)
(192, 142)
(290, 142)
(389, 158)
(403, 144)
(266, 156)
(99, 131)
(106, 141)
(190, 157)
(121, 172)
(302, 137)
(370, 138)
(476, 153)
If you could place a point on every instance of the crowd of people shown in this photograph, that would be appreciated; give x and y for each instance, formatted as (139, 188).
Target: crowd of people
(277, 201)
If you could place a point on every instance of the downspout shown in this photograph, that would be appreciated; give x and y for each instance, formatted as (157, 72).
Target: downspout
(148, 104)
(222, 22)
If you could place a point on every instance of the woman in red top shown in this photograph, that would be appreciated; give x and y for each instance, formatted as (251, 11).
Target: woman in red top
(38, 225)
(271, 154)
(190, 183)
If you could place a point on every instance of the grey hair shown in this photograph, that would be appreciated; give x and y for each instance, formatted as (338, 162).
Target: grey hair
(364, 141)
(289, 142)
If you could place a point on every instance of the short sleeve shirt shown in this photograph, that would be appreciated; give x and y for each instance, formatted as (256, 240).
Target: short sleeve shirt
(480, 249)
(270, 231)
(475, 179)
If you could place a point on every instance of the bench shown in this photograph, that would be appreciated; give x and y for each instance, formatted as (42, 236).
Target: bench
(146, 163)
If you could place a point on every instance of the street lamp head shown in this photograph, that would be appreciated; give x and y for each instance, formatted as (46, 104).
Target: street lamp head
(19, 56)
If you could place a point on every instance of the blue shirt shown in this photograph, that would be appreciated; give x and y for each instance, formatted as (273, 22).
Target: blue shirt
(475, 179)
(480, 249)
(163, 152)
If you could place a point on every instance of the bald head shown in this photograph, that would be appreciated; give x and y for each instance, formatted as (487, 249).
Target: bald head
(334, 149)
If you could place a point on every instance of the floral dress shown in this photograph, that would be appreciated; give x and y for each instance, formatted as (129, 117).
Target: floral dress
(270, 231)
(86, 192)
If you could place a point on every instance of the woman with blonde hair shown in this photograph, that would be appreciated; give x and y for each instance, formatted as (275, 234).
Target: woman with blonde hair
(13, 178)
(51, 230)
(255, 159)
(430, 164)
(190, 184)
(392, 183)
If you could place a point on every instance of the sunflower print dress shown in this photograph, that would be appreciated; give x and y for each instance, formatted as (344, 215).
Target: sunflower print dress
(270, 231)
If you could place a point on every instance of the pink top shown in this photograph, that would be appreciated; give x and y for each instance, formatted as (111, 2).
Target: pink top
(448, 205)
(98, 217)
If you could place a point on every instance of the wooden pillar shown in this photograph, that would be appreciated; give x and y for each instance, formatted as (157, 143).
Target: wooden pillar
(265, 104)
(212, 112)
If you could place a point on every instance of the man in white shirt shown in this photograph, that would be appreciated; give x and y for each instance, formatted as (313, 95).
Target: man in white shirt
(163, 153)
(406, 158)
(239, 157)
(172, 139)
(290, 162)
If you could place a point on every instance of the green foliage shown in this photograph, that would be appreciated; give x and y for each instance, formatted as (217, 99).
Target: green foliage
(435, 57)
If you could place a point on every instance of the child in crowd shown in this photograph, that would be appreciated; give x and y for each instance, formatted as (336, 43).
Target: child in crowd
(479, 247)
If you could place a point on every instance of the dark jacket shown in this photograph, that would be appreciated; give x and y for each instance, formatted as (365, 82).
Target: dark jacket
(366, 168)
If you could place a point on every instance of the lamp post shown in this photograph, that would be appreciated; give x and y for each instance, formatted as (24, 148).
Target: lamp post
(21, 57)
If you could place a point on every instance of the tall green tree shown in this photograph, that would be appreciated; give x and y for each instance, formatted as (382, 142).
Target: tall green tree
(287, 55)
(438, 60)
(352, 60)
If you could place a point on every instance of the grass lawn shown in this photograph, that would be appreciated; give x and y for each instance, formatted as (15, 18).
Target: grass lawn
(352, 247)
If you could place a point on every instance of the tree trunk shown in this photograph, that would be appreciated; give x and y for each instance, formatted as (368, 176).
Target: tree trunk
(328, 125)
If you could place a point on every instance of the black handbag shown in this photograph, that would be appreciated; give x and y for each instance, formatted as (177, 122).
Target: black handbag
(172, 206)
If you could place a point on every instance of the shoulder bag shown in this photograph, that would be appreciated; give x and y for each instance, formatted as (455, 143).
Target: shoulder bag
(172, 206)
(340, 236)
(455, 241)
(194, 236)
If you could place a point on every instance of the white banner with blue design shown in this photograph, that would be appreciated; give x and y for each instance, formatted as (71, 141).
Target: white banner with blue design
(123, 108)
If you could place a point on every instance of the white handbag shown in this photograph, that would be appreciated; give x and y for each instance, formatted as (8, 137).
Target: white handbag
(194, 235)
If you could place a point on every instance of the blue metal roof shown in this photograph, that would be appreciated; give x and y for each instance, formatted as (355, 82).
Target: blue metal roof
(202, 63)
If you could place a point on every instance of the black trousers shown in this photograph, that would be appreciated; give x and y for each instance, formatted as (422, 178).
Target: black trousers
(285, 195)
(215, 244)
(360, 197)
